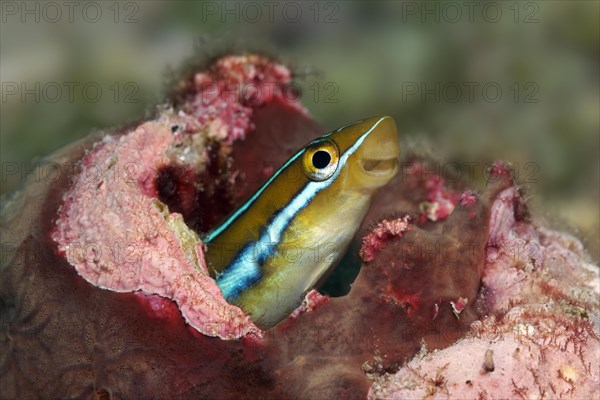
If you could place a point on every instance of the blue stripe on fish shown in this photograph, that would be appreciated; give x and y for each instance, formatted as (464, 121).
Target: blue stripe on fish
(245, 269)
(216, 232)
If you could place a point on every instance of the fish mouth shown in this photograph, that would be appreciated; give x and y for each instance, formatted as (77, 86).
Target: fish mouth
(379, 167)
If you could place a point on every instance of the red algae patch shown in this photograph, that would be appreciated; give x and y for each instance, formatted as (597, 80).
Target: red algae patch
(232, 88)
(312, 300)
(439, 200)
(383, 232)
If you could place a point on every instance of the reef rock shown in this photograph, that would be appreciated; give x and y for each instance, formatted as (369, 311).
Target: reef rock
(104, 292)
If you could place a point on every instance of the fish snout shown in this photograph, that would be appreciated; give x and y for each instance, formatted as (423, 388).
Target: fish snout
(376, 161)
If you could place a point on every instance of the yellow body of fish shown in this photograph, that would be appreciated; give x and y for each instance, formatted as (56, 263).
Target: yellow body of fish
(285, 239)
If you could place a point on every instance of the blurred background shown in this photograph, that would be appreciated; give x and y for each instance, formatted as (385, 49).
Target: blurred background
(467, 82)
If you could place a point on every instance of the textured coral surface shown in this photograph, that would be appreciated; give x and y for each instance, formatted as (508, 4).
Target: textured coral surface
(539, 335)
(132, 242)
(104, 293)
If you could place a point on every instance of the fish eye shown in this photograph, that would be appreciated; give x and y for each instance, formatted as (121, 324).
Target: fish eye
(320, 160)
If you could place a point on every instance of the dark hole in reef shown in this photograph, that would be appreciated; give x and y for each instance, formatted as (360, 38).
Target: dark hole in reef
(321, 159)
(101, 394)
(166, 185)
(341, 278)
(7, 309)
(202, 199)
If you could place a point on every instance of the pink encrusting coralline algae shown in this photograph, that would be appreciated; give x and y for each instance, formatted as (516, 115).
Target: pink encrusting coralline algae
(538, 338)
(225, 96)
(377, 238)
(132, 242)
(439, 200)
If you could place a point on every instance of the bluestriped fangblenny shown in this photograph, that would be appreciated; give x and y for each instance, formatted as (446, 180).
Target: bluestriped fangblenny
(286, 238)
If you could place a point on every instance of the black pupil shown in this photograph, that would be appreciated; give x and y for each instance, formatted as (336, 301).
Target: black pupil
(321, 159)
